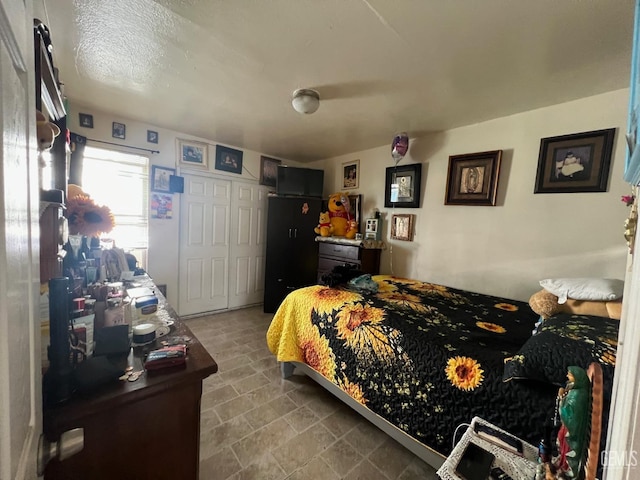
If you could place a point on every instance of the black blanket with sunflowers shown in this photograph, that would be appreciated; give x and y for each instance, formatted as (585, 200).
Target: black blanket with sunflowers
(425, 357)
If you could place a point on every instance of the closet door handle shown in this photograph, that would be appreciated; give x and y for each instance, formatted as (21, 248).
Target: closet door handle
(289, 233)
(295, 233)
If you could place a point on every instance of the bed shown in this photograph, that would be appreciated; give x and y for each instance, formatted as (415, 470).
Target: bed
(420, 359)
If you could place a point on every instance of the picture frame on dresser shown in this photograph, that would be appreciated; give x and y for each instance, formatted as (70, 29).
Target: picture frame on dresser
(402, 186)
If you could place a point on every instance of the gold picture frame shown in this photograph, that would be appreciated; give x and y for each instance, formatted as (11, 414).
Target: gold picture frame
(402, 226)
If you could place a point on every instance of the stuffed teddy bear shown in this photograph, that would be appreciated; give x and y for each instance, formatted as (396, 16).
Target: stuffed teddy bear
(545, 304)
(47, 131)
(324, 228)
(352, 229)
(340, 213)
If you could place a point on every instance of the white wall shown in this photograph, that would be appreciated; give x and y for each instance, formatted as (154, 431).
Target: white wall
(163, 233)
(506, 249)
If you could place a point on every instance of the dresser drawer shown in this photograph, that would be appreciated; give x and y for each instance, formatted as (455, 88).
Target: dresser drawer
(347, 252)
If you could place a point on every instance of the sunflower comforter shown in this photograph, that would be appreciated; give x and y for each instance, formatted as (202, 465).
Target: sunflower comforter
(425, 357)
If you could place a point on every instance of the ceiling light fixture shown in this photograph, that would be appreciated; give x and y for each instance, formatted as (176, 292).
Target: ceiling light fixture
(305, 100)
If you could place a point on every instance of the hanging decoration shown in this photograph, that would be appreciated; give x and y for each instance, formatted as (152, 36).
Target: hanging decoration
(399, 146)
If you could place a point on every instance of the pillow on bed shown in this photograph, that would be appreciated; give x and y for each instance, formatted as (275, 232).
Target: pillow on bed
(584, 288)
(564, 340)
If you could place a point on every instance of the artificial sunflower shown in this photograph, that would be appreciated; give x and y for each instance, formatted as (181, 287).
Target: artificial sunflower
(506, 306)
(492, 327)
(464, 373)
(86, 218)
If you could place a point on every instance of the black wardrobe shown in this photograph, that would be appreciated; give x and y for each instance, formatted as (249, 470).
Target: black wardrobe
(292, 252)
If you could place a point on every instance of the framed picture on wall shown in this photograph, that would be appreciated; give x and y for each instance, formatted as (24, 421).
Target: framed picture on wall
(402, 227)
(269, 171)
(160, 178)
(575, 163)
(192, 154)
(228, 159)
(351, 175)
(118, 130)
(86, 120)
(473, 178)
(402, 186)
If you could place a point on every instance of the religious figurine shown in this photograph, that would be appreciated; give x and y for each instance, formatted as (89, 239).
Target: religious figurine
(573, 407)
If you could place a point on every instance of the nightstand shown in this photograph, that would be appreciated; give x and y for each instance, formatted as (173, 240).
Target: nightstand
(351, 252)
(519, 468)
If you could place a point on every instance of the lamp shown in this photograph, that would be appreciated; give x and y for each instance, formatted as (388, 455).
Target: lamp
(305, 100)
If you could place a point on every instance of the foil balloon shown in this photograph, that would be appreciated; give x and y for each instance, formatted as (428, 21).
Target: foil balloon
(399, 146)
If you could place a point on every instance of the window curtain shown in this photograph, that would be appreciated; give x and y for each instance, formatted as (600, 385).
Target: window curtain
(77, 144)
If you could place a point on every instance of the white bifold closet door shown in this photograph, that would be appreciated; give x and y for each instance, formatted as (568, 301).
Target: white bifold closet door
(222, 230)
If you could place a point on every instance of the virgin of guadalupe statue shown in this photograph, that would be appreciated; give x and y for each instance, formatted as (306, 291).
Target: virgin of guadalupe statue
(573, 407)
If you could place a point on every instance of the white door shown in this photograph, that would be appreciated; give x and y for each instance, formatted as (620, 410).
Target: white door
(20, 379)
(248, 245)
(204, 245)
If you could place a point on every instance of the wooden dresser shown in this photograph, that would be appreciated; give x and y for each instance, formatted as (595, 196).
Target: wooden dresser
(147, 429)
(332, 254)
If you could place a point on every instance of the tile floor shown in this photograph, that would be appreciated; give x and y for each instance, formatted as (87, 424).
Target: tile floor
(255, 425)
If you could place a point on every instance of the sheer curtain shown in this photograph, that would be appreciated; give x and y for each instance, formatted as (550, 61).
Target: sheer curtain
(121, 181)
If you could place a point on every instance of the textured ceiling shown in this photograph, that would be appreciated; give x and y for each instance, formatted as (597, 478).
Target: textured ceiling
(225, 69)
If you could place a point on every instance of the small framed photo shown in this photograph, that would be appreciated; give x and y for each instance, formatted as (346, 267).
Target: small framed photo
(402, 186)
(192, 154)
(269, 171)
(86, 120)
(152, 137)
(351, 174)
(118, 130)
(473, 178)
(160, 178)
(228, 159)
(575, 163)
(402, 227)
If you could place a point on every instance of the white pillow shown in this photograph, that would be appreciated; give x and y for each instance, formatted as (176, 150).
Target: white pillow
(584, 288)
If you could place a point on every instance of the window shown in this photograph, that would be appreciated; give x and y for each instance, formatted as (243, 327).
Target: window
(121, 181)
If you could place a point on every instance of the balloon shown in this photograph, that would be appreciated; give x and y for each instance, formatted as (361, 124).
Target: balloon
(399, 146)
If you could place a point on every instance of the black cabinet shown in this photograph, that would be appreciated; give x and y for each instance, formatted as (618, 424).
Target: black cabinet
(292, 252)
(332, 254)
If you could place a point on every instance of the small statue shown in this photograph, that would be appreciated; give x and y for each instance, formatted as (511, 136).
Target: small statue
(573, 407)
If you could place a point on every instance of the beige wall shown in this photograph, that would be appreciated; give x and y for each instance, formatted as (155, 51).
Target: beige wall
(506, 249)
(502, 250)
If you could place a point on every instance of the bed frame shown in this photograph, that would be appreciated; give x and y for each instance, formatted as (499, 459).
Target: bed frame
(419, 449)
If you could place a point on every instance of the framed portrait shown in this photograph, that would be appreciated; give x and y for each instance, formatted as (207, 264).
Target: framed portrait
(473, 178)
(161, 178)
(269, 171)
(228, 159)
(402, 227)
(575, 163)
(351, 175)
(402, 186)
(86, 120)
(192, 154)
(118, 130)
(152, 137)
